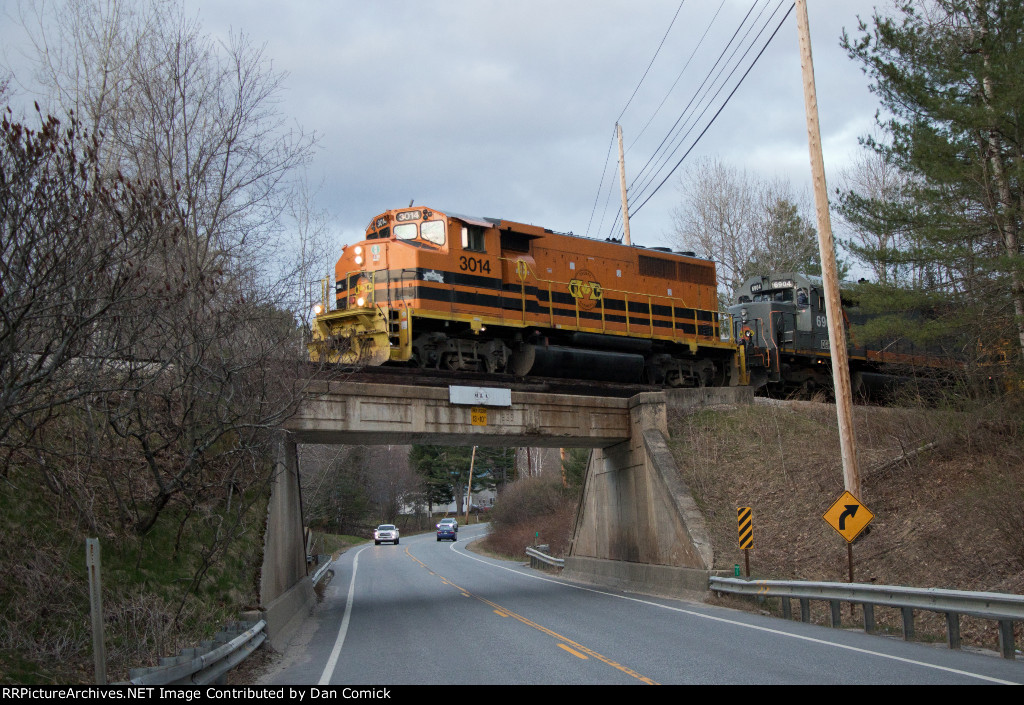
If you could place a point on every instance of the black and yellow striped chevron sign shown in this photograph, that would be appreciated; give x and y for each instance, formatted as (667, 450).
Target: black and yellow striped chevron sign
(745, 519)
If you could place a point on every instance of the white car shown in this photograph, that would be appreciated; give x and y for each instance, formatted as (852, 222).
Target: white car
(385, 532)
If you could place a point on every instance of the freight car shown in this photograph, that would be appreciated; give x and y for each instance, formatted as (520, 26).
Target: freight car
(781, 321)
(447, 291)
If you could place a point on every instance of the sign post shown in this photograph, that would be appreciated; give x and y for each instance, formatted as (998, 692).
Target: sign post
(99, 650)
(848, 517)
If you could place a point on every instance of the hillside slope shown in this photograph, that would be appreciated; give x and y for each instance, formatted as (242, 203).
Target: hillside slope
(951, 516)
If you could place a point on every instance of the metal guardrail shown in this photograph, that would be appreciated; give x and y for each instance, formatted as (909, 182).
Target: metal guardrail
(1002, 608)
(208, 663)
(322, 570)
(539, 558)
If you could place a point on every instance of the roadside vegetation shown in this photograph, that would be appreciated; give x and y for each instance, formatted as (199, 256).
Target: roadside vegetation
(151, 335)
(530, 512)
(946, 486)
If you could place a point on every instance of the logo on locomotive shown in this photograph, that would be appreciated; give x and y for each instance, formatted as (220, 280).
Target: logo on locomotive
(585, 290)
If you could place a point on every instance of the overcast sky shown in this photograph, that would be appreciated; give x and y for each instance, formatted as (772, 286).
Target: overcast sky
(507, 108)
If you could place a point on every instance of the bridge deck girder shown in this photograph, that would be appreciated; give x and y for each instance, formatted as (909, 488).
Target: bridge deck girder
(364, 414)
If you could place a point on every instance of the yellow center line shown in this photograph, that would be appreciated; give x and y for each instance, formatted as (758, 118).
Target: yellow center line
(566, 643)
(575, 653)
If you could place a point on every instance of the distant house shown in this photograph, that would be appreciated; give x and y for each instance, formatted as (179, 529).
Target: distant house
(484, 499)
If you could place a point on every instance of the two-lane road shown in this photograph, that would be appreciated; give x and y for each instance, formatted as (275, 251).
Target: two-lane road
(425, 612)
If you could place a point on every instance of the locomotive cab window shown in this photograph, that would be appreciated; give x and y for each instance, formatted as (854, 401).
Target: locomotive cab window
(406, 231)
(433, 232)
(473, 239)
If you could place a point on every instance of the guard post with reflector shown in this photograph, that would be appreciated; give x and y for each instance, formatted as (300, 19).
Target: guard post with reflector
(745, 523)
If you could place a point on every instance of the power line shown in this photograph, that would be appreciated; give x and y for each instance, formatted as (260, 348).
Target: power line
(715, 116)
(708, 76)
(700, 95)
(600, 186)
(678, 77)
(656, 52)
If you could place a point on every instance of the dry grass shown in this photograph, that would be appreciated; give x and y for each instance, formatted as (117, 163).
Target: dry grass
(946, 517)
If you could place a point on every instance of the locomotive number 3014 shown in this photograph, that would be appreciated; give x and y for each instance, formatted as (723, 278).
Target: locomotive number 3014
(472, 264)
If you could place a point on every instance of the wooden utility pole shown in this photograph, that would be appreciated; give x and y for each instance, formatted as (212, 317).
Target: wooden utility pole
(830, 277)
(469, 486)
(622, 183)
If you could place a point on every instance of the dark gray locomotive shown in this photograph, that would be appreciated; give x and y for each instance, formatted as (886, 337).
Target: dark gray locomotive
(780, 320)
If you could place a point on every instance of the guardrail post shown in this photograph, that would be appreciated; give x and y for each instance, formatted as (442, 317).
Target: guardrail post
(908, 623)
(869, 618)
(1006, 645)
(953, 630)
(835, 619)
(787, 608)
(805, 610)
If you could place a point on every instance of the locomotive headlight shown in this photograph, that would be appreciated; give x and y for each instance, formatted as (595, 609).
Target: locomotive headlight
(317, 310)
(743, 315)
(360, 302)
(359, 259)
(359, 249)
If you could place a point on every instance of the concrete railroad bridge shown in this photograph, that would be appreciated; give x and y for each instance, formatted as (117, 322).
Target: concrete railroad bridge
(637, 524)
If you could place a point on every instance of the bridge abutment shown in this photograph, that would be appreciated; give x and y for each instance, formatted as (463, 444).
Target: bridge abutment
(286, 592)
(638, 526)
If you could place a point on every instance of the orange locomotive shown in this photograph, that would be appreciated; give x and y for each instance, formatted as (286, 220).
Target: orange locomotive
(463, 293)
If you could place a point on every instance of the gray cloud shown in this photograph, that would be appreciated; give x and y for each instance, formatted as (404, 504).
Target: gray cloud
(506, 109)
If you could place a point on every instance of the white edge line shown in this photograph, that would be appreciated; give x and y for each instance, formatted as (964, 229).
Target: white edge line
(769, 630)
(325, 678)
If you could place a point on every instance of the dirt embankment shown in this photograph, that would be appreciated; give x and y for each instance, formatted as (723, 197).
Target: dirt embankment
(946, 489)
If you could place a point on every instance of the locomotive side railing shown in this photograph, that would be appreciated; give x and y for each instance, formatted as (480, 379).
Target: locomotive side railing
(524, 271)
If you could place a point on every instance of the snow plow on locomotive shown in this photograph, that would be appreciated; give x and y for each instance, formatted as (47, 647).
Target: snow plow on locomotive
(440, 290)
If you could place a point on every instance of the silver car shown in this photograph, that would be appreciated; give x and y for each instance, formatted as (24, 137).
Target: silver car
(449, 522)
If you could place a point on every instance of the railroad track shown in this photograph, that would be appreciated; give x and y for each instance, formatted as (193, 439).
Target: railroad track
(443, 378)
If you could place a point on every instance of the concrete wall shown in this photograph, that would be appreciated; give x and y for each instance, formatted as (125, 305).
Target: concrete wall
(638, 526)
(286, 593)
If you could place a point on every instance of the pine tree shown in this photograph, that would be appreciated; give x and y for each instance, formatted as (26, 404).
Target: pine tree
(948, 74)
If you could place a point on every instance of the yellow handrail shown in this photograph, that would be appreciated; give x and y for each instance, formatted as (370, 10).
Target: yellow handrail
(524, 270)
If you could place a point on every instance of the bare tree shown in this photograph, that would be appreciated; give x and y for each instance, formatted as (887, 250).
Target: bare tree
(875, 242)
(316, 252)
(391, 480)
(149, 338)
(169, 103)
(718, 218)
(73, 256)
(204, 333)
(746, 223)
